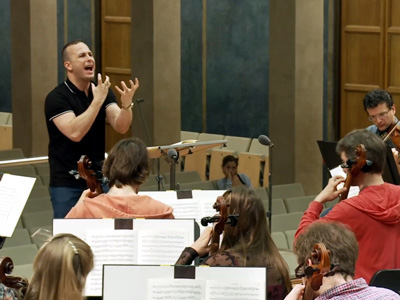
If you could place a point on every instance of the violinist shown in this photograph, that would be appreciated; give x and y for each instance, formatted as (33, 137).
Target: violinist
(339, 282)
(126, 167)
(248, 243)
(373, 215)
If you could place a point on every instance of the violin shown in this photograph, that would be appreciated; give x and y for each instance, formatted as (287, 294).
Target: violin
(355, 167)
(317, 266)
(93, 179)
(393, 135)
(6, 267)
(220, 220)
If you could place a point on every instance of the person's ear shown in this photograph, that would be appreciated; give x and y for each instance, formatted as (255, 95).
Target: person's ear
(67, 65)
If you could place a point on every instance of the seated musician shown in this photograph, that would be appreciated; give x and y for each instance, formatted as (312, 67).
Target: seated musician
(343, 247)
(7, 293)
(126, 167)
(381, 110)
(373, 215)
(249, 243)
(60, 269)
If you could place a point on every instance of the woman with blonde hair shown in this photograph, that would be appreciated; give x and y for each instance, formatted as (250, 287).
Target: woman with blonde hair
(60, 269)
(247, 244)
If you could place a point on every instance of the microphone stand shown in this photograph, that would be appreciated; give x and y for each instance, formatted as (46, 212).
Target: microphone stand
(173, 159)
(269, 213)
(159, 178)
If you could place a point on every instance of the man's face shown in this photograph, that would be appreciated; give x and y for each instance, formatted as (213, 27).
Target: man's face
(80, 61)
(382, 116)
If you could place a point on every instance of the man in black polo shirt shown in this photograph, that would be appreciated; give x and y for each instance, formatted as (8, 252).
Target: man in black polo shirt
(76, 111)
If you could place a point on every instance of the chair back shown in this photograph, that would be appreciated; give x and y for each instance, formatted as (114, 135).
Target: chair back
(389, 279)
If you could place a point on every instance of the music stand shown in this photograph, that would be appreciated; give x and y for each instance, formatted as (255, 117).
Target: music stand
(182, 149)
(332, 160)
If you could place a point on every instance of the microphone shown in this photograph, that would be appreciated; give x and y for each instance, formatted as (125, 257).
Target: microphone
(172, 154)
(264, 140)
(139, 100)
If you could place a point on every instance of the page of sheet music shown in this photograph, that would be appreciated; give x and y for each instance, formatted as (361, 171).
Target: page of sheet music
(109, 246)
(176, 289)
(161, 247)
(354, 190)
(14, 192)
(188, 289)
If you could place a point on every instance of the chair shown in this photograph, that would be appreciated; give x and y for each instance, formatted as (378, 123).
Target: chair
(20, 255)
(9, 154)
(279, 239)
(256, 147)
(37, 219)
(301, 203)
(45, 179)
(389, 279)
(278, 206)
(283, 222)
(189, 135)
(42, 169)
(251, 165)
(198, 161)
(23, 271)
(41, 204)
(20, 170)
(290, 237)
(183, 177)
(291, 260)
(237, 143)
(287, 190)
(39, 192)
(20, 237)
(199, 185)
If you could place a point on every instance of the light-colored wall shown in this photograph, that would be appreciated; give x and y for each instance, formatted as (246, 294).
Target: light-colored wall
(309, 67)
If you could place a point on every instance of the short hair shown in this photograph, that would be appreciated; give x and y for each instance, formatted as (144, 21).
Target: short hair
(337, 238)
(127, 163)
(375, 147)
(64, 52)
(376, 97)
(229, 158)
(60, 269)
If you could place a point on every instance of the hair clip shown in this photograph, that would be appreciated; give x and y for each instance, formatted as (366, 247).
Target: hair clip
(73, 247)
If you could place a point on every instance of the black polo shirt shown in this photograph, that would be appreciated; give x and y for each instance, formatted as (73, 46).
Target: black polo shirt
(64, 153)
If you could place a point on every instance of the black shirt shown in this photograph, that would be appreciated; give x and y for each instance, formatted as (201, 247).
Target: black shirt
(63, 152)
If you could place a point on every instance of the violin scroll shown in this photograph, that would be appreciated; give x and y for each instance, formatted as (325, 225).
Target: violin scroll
(6, 267)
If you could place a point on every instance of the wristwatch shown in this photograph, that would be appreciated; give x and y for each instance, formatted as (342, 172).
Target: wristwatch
(128, 107)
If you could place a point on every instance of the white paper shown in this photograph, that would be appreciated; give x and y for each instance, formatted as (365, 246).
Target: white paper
(354, 190)
(176, 289)
(235, 290)
(14, 192)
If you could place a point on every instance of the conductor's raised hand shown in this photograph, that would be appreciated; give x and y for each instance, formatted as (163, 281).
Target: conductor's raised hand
(127, 92)
(331, 191)
(101, 90)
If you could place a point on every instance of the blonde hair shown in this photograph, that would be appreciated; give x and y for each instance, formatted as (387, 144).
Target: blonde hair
(60, 269)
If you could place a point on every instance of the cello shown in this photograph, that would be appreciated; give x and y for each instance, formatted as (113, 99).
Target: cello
(317, 266)
(6, 268)
(220, 220)
(355, 166)
(93, 179)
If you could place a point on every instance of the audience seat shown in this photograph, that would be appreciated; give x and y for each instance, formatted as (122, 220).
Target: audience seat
(20, 255)
(183, 177)
(287, 190)
(37, 219)
(20, 237)
(23, 271)
(199, 185)
(10, 154)
(42, 169)
(39, 192)
(300, 203)
(290, 237)
(283, 222)
(278, 206)
(389, 279)
(189, 135)
(291, 260)
(279, 239)
(39, 204)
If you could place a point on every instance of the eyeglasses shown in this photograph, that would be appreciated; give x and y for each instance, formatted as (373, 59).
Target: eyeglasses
(380, 115)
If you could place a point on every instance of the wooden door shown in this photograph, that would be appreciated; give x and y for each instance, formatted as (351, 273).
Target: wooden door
(370, 56)
(116, 51)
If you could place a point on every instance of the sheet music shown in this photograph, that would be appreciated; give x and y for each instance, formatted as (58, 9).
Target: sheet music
(14, 192)
(199, 289)
(109, 246)
(177, 289)
(354, 190)
(158, 247)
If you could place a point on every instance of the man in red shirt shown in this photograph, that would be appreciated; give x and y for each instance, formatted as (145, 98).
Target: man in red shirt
(373, 215)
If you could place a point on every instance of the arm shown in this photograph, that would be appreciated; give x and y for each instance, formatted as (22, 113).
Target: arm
(296, 293)
(329, 193)
(76, 127)
(199, 247)
(121, 118)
